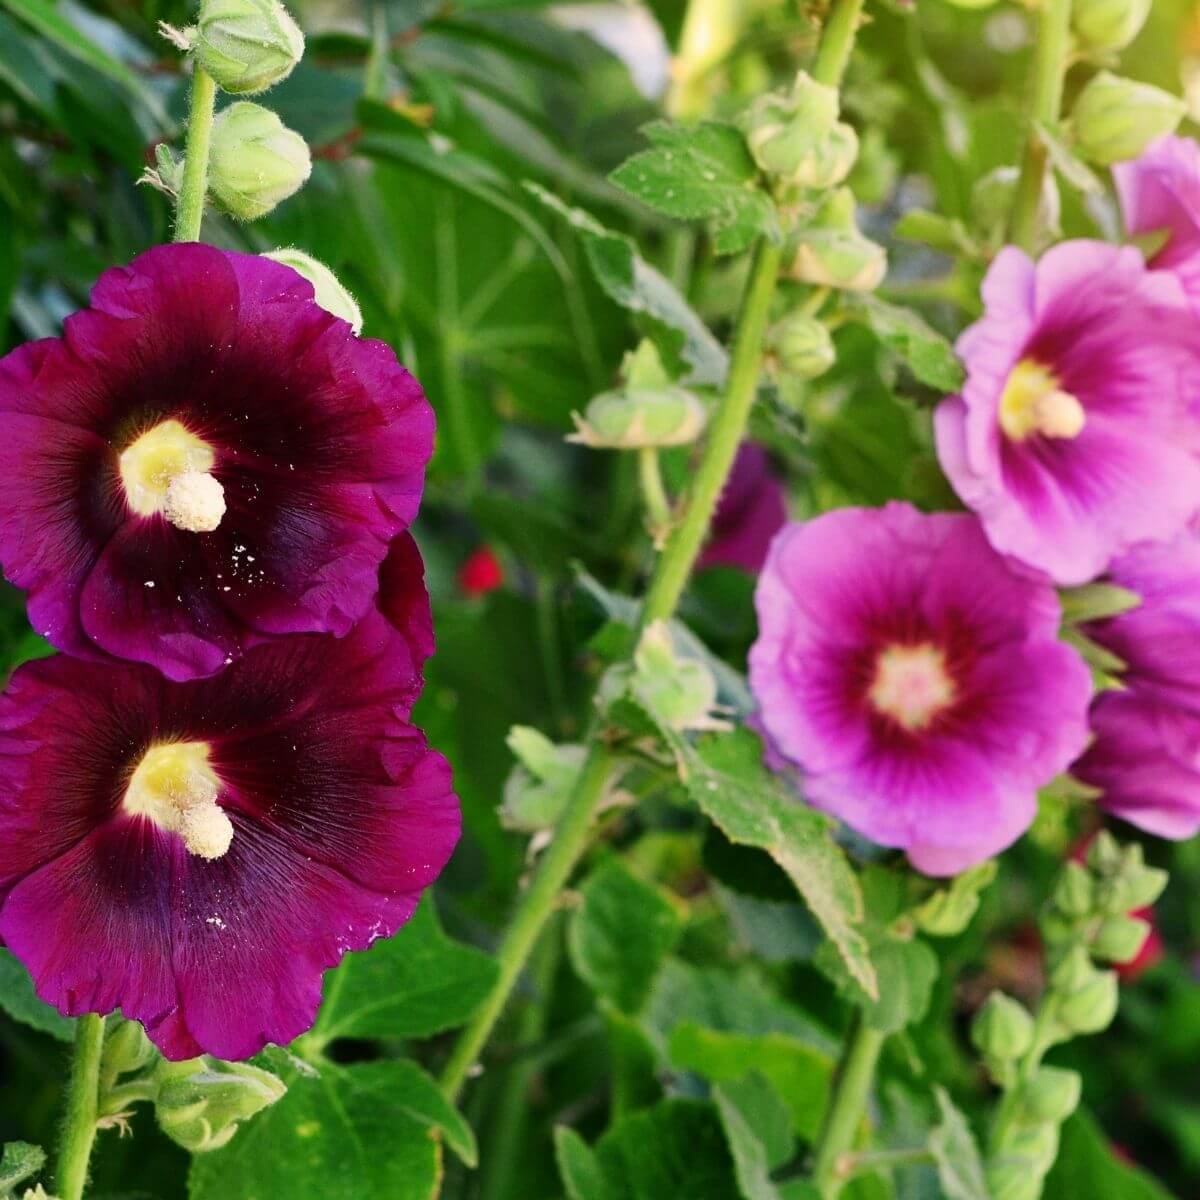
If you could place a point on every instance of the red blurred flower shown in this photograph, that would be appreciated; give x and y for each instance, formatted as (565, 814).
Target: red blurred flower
(481, 573)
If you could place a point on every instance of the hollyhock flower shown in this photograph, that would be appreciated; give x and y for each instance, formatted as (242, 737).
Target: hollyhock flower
(1073, 438)
(196, 854)
(915, 680)
(1145, 757)
(481, 573)
(750, 513)
(1160, 190)
(205, 459)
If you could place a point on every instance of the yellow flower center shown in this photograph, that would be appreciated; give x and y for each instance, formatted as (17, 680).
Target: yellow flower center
(912, 685)
(168, 470)
(1033, 402)
(174, 787)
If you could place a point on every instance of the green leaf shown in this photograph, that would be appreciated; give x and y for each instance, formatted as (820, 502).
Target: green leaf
(756, 1126)
(929, 356)
(20, 1162)
(638, 287)
(620, 935)
(727, 780)
(418, 983)
(1087, 1166)
(702, 171)
(1095, 602)
(959, 1167)
(581, 1172)
(676, 1149)
(370, 1131)
(20, 1001)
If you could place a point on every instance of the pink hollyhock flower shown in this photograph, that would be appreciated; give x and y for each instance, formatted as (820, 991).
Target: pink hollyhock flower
(916, 681)
(481, 573)
(1161, 191)
(1075, 436)
(197, 854)
(751, 512)
(1145, 758)
(205, 459)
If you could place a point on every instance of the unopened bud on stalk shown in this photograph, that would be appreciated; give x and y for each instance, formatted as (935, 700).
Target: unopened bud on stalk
(1051, 1095)
(802, 346)
(126, 1048)
(680, 693)
(1002, 1029)
(1091, 1006)
(537, 788)
(1103, 26)
(1115, 119)
(1119, 939)
(832, 253)
(256, 161)
(1074, 894)
(327, 289)
(200, 1103)
(247, 46)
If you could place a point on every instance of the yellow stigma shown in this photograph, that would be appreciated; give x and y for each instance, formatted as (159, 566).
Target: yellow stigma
(911, 685)
(1033, 402)
(168, 470)
(175, 788)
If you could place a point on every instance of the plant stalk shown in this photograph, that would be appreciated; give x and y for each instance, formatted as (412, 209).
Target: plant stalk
(837, 41)
(83, 1102)
(189, 210)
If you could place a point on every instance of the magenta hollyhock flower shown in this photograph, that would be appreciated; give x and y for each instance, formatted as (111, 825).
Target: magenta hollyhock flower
(196, 854)
(915, 680)
(751, 511)
(1145, 758)
(1161, 191)
(206, 458)
(1075, 436)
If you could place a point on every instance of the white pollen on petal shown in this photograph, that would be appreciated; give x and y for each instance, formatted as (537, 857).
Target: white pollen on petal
(912, 685)
(207, 830)
(195, 501)
(175, 787)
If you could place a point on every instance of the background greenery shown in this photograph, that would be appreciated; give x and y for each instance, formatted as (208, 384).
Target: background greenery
(683, 959)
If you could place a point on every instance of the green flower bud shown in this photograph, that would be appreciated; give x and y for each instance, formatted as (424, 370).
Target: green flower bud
(201, 1102)
(537, 788)
(1104, 854)
(247, 46)
(1050, 1095)
(256, 161)
(1002, 1029)
(802, 346)
(1034, 1145)
(1090, 1007)
(832, 253)
(632, 418)
(126, 1049)
(1074, 894)
(829, 161)
(1012, 1180)
(679, 693)
(784, 132)
(1119, 939)
(1103, 26)
(1115, 119)
(1144, 885)
(327, 289)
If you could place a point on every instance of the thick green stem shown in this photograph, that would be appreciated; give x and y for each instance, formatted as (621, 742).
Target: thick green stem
(189, 211)
(1052, 48)
(570, 839)
(837, 41)
(724, 436)
(79, 1124)
(846, 1108)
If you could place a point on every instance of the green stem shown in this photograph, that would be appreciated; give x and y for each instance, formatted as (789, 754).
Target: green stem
(654, 495)
(189, 211)
(79, 1124)
(846, 1108)
(1052, 46)
(724, 437)
(570, 839)
(837, 40)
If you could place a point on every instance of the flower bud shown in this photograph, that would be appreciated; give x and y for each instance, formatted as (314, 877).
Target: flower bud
(1115, 119)
(1090, 1007)
(1074, 894)
(1050, 1095)
(784, 132)
(632, 418)
(1012, 1180)
(1119, 939)
(832, 253)
(537, 788)
(1104, 854)
(327, 289)
(1002, 1029)
(247, 46)
(126, 1049)
(1103, 26)
(679, 693)
(256, 161)
(200, 1103)
(829, 161)
(802, 346)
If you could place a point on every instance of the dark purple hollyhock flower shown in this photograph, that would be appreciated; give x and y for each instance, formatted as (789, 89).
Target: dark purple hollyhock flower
(206, 458)
(197, 854)
(751, 512)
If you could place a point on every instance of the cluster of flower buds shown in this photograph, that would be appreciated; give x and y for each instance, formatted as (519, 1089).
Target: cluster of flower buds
(1102, 27)
(831, 252)
(537, 788)
(1087, 921)
(1115, 119)
(648, 410)
(796, 136)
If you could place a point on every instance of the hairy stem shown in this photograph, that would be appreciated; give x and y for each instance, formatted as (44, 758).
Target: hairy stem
(846, 1108)
(189, 210)
(79, 1124)
(1052, 47)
